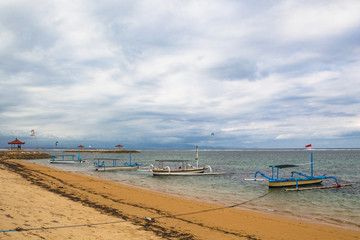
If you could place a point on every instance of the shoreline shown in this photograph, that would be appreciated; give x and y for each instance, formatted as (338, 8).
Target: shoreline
(261, 210)
(169, 216)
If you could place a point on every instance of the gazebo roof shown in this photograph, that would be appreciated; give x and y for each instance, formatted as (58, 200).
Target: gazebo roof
(16, 141)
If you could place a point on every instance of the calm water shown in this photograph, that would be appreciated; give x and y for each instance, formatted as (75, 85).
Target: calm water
(334, 205)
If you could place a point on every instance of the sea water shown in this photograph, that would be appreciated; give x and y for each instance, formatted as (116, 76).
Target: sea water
(339, 206)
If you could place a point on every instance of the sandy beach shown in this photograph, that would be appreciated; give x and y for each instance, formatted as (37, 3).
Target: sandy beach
(45, 203)
(23, 205)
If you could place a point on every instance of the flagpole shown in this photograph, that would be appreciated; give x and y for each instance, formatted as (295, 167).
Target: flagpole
(309, 146)
(312, 168)
(32, 134)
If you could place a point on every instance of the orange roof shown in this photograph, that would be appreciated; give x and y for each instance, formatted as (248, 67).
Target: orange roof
(16, 141)
(119, 145)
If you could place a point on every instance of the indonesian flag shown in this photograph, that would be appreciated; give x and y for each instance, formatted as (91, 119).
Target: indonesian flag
(32, 133)
(308, 146)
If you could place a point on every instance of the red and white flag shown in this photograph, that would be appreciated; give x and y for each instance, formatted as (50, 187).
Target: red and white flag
(308, 146)
(32, 133)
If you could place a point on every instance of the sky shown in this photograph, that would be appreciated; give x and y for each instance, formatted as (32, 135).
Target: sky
(161, 74)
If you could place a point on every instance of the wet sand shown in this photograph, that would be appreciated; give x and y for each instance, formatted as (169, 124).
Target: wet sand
(35, 196)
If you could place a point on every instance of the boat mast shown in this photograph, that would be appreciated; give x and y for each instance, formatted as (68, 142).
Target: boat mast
(197, 157)
(312, 168)
(130, 157)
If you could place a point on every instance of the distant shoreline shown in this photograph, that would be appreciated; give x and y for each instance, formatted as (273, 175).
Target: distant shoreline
(23, 155)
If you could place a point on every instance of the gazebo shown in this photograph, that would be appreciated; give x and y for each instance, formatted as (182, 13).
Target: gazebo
(16, 145)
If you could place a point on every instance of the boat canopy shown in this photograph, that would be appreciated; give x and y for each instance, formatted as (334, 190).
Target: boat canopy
(285, 166)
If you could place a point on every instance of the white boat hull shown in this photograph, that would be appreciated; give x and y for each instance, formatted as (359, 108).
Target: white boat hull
(186, 172)
(120, 168)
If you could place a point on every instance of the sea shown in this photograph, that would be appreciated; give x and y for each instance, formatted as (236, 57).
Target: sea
(339, 206)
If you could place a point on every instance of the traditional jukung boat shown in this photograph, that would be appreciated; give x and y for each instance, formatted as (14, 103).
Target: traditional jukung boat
(180, 168)
(106, 164)
(66, 159)
(112, 165)
(302, 179)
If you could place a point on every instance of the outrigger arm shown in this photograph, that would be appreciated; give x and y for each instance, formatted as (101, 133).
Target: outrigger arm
(258, 172)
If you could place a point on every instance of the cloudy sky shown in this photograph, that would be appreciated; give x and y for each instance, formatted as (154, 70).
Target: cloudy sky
(168, 74)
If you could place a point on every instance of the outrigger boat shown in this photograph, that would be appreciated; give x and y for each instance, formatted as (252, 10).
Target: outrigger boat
(303, 179)
(180, 168)
(105, 164)
(66, 159)
(111, 165)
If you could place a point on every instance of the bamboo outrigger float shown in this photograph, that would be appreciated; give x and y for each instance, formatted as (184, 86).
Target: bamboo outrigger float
(303, 179)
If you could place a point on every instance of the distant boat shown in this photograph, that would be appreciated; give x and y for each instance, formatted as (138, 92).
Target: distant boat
(105, 164)
(66, 159)
(303, 179)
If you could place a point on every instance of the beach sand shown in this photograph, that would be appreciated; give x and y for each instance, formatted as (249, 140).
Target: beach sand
(35, 196)
(24, 205)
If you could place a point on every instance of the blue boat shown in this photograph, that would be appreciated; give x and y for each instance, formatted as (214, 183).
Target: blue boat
(296, 179)
(66, 159)
(108, 164)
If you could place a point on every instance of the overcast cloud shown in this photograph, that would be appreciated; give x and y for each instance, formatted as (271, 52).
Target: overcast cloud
(167, 74)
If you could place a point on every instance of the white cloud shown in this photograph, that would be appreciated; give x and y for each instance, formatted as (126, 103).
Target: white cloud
(322, 19)
(254, 73)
